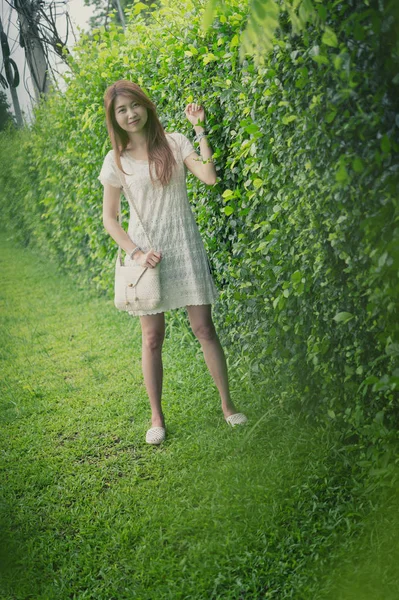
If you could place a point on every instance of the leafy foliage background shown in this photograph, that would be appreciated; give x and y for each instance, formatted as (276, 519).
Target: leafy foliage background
(302, 228)
(6, 117)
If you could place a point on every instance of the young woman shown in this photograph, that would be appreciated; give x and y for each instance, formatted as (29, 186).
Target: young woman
(154, 163)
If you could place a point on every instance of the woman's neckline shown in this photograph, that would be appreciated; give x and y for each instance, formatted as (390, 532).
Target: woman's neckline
(138, 160)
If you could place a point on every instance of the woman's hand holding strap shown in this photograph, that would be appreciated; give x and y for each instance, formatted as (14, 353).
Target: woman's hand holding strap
(148, 259)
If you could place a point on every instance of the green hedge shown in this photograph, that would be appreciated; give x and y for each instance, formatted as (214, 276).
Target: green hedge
(302, 227)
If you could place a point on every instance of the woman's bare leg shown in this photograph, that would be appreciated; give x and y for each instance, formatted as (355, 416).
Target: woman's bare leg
(204, 329)
(153, 334)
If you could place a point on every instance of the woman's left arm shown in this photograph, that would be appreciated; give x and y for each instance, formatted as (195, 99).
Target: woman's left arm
(203, 169)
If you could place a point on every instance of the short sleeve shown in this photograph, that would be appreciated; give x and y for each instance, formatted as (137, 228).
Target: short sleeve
(109, 173)
(186, 147)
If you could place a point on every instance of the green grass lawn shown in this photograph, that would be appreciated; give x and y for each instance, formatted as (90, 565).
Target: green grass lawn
(89, 510)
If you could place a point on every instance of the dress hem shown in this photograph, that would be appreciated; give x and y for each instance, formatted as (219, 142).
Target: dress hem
(157, 312)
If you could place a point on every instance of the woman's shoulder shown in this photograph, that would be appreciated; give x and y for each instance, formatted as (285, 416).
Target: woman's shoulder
(174, 135)
(180, 141)
(109, 162)
(174, 140)
(109, 158)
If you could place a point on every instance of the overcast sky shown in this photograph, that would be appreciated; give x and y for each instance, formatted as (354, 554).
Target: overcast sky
(79, 14)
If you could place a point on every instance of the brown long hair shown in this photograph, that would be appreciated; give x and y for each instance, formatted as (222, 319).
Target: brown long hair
(160, 155)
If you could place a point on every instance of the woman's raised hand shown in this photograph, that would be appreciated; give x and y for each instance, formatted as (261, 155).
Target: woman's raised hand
(149, 259)
(195, 113)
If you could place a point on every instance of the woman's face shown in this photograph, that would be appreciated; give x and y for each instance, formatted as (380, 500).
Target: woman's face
(130, 115)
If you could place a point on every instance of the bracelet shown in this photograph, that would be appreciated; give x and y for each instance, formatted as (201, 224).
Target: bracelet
(133, 252)
(199, 136)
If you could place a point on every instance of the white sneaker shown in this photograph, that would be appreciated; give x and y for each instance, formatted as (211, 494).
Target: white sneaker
(155, 435)
(236, 419)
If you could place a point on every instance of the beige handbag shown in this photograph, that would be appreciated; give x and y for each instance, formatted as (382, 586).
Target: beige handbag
(137, 288)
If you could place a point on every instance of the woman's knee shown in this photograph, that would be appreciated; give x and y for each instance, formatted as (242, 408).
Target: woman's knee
(153, 339)
(205, 331)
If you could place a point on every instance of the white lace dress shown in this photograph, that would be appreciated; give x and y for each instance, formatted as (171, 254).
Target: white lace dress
(170, 224)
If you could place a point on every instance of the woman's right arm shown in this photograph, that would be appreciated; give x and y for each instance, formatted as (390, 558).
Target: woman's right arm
(110, 221)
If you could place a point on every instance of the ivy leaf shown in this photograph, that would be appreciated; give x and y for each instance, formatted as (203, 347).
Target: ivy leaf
(392, 350)
(262, 246)
(235, 41)
(276, 301)
(253, 128)
(357, 165)
(383, 258)
(370, 380)
(329, 118)
(139, 7)
(343, 317)
(329, 38)
(342, 175)
(288, 119)
(320, 59)
(296, 277)
(210, 57)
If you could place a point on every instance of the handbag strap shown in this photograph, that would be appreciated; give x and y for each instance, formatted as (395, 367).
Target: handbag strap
(126, 192)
